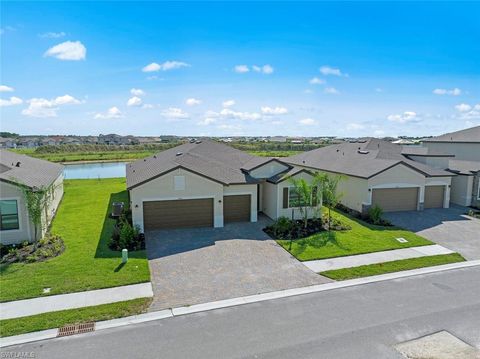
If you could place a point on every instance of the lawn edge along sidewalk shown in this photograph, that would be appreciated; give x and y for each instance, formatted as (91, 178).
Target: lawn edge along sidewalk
(54, 303)
(169, 313)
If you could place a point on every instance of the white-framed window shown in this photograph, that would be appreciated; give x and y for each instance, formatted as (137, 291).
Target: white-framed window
(294, 199)
(179, 183)
(9, 215)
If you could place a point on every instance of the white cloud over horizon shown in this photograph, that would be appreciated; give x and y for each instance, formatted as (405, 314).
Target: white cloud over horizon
(241, 69)
(228, 103)
(317, 81)
(307, 122)
(68, 50)
(5, 88)
(406, 117)
(174, 114)
(111, 113)
(41, 107)
(192, 101)
(166, 66)
(453, 92)
(274, 110)
(327, 70)
(137, 92)
(12, 101)
(52, 35)
(134, 101)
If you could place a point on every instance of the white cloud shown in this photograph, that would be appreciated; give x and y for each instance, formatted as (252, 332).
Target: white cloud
(174, 113)
(307, 122)
(468, 112)
(12, 101)
(137, 92)
(228, 103)
(453, 92)
(166, 66)
(355, 126)
(134, 101)
(52, 35)
(192, 101)
(207, 121)
(274, 110)
(265, 69)
(327, 70)
(407, 116)
(41, 107)
(331, 91)
(463, 107)
(317, 81)
(68, 50)
(228, 113)
(4, 88)
(147, 106)
(241, 69)
(112, 112)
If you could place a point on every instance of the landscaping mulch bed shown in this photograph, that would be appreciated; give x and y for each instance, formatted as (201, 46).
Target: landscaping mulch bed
(48, 247)
(364, 217)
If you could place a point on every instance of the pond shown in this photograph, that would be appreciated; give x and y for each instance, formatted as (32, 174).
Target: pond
(94, 170)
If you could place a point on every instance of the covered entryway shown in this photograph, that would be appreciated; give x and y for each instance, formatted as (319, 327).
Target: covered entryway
(434, 196)
(184, 213)
(395, 199)
(236, 208)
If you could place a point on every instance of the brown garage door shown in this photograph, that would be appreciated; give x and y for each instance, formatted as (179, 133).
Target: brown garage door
(434, 196)
(395, 199)
(236, 208)
(178, 213)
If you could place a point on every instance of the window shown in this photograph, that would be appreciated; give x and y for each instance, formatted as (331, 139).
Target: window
(8, 215)
(478, 190)
(179, 183)
(294, 199)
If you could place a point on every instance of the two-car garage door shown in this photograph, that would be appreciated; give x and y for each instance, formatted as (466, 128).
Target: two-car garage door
(178, 213)
(190, 213)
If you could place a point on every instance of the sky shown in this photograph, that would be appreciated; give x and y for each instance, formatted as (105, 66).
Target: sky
(344, 69)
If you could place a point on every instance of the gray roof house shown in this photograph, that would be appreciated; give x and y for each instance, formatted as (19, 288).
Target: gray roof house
(463, 148)
(206, 183)
(377, 172)
(20, 170)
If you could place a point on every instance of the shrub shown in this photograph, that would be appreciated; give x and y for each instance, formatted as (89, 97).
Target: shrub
(375, 214)
(49, 246)
(126, 236)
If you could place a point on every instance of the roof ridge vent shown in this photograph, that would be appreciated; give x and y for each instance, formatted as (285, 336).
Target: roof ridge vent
(363, 152)
(179, 154)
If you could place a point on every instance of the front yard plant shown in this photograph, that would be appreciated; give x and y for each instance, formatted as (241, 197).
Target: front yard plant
(48, 247)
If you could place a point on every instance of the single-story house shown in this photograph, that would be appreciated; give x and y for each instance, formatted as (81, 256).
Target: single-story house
(464, 150)
(20, 170)
(376, 172)
(206, 183)
(7, 142)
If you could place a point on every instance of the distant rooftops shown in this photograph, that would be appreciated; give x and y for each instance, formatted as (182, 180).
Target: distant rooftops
(364, 159)
(469, 135)
(29, 171)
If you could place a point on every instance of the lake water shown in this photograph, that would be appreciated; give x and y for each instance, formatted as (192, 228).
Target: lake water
(95, 170)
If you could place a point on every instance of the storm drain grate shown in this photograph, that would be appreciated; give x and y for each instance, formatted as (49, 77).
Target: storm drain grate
(76, 329)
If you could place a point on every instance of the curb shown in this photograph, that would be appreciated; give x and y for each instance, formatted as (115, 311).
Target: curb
(197, 308)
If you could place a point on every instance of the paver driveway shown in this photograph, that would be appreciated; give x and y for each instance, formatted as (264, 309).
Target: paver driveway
(449, 227)
(192, 266)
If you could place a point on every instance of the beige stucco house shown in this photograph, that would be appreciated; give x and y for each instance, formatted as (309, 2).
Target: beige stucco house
(15, 169)
(206, 183)
(463, 150)
(377, 172)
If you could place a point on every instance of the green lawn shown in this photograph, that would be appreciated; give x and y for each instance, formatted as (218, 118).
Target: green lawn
(362, 238)
(51, 320)
(394, 266)
(274, 153)
(87, 263)
(87, 156)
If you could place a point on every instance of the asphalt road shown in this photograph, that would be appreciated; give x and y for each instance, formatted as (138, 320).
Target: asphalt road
(356, 322)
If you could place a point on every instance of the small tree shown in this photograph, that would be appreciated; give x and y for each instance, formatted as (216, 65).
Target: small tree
(330, 195)
(36, 200)
(306, 196)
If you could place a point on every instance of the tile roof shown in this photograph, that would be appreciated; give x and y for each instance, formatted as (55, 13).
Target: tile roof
(468, 135)
(360, 159)
(29, 171)
(208, 158)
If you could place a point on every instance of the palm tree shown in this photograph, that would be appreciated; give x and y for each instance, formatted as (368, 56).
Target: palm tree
(329, 194)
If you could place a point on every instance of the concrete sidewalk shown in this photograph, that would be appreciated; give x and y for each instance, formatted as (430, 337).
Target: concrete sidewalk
(53, 303)
(377, 257)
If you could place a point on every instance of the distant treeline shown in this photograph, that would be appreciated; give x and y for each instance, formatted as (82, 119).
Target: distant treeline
(105, 148)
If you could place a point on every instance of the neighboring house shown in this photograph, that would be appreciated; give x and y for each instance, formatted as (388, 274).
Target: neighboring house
(48, 141)
(376, 172)
(464, 148)
(28, 142)
(206, 183)
(278, 139)
(7, 142)
(15, 169)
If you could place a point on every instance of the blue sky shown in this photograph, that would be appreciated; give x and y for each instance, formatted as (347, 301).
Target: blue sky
(314, 69)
